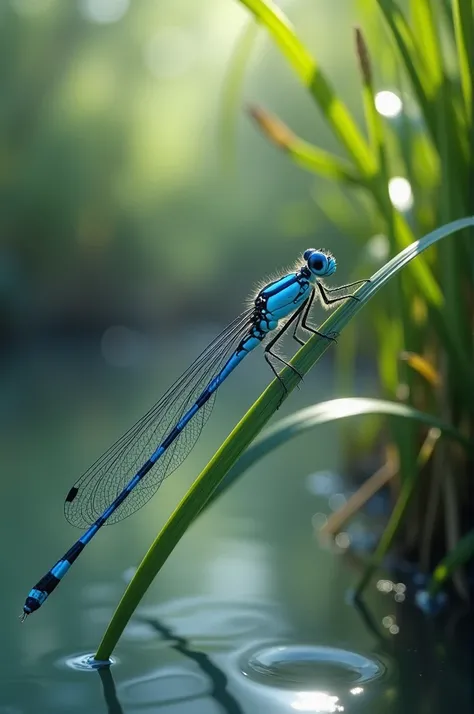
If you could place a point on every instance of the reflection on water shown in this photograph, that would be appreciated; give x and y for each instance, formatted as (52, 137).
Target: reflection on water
(248, 573)
(317, 678)
(316, 702)
(215, 677)
(163, 686)
(219, 624)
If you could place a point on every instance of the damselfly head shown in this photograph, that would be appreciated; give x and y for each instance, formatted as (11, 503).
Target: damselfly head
(320, 262)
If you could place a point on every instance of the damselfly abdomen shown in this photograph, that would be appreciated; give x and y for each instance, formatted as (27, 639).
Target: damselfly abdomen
(130, 472)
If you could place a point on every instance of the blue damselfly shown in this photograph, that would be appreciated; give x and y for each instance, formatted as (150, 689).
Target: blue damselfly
(130, 472)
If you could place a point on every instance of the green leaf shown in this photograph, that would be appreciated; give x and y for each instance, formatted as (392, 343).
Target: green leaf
(462, 553)
(304, 154)
(407, 47)
(317, 160)
(427, 44)
(335, 111)
(246, 431)
(464, 33)
(344, 128)
(305, 419)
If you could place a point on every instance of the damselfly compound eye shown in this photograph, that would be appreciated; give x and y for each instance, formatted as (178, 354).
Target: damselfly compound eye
(132, 470)
(317, 262)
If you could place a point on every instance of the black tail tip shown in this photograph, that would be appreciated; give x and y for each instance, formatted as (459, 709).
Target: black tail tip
(31, 605)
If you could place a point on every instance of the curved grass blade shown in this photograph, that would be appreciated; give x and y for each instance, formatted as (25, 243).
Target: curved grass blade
(407, 47)
(343, 126)
(323, 413)
(303, 153)
(244, 433)
(335, 111)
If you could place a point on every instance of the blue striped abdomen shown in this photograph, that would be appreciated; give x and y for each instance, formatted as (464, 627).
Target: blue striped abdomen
(179, 407)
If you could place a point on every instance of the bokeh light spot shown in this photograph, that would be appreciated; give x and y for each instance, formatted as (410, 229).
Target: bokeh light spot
(343, 540)
(336, 501)
(388, 104)
(400, 193)
(104, 11)
(378, 248)
(385, 586)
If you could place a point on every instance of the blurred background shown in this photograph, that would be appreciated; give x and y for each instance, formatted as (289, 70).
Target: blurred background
(118, 206)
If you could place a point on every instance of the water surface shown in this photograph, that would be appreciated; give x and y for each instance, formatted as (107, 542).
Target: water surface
(249, 614)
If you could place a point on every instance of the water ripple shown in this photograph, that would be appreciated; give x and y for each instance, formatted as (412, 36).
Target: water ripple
(305, 666)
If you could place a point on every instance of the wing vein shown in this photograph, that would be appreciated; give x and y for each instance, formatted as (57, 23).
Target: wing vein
(109, 474)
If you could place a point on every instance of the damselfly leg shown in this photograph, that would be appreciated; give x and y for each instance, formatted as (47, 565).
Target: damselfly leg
(129, 472)
(302, 317)
(302, 323)
(269, 353)
(330, 300)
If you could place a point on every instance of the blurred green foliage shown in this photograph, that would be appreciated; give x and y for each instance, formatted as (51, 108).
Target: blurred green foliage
(112, 191)
(414, 165)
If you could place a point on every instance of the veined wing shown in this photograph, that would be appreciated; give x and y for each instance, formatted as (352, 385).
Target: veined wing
(107, 477)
